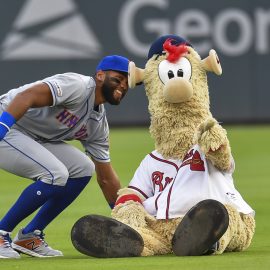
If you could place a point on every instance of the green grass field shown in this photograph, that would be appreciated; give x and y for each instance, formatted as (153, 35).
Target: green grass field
(251, 150)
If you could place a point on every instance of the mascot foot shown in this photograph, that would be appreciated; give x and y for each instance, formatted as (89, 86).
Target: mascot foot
(201, 227)
(104, 237)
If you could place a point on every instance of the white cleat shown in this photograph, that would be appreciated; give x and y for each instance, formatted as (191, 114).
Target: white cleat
(33, 244)
(6, 251)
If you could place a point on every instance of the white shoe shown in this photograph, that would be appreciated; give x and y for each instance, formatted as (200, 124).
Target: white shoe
(6, 251)
(33, 244)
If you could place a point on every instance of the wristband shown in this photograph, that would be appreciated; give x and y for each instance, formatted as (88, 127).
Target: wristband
(6, 122)
(128, 197)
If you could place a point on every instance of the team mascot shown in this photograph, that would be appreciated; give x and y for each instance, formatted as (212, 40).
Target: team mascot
(182, 198)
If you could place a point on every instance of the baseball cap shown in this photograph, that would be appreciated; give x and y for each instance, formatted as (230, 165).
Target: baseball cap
(157, 45)
(113, 62)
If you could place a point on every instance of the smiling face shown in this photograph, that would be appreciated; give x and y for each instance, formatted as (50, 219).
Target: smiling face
(115, 87)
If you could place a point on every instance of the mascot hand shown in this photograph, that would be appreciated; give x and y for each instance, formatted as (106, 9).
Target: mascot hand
(211, 136)
(132, 213)
(213, 141)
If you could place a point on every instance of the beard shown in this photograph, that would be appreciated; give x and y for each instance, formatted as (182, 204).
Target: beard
(108, 92)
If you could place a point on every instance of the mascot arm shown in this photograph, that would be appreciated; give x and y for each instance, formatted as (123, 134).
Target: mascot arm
(213, 141)
(129, 209)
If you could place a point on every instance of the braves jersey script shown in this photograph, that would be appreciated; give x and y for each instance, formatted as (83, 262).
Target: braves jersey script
(172, 187)
(72, 115)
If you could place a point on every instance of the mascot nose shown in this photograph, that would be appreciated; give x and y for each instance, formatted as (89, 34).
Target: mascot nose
(177, 90)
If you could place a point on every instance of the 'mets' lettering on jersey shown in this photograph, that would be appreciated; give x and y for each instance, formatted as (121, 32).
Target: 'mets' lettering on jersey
(70, 120)
(67, 118)
(82, 133)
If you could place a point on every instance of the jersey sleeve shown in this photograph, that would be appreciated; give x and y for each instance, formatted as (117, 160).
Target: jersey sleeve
(97, 145)
(67, 89)
(141, 181)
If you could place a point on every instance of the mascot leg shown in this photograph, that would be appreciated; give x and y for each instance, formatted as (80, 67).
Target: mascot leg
(134, 215)
(165, 228)
(239, 233)
(158, 236)
(154, 243)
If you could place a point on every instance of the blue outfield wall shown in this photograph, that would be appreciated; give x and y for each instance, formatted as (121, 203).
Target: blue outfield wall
(39, 38)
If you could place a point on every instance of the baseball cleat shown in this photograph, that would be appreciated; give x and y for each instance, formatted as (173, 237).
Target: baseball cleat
(6, 251)
(104, 237)
(200, 228)
(34, 244)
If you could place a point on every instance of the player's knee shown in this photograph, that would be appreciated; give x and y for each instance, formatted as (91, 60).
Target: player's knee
(83, 167)
(62, 176)
(86, 167)
(56, 175)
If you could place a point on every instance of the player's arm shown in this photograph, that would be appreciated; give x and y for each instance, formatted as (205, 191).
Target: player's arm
(107, 180)
(38, 95)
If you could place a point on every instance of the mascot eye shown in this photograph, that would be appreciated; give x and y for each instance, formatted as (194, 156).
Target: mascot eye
(180, 73)
(170, 74)
(179, 69)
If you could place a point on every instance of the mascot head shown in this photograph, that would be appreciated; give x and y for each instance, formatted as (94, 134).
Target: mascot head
(175, 80)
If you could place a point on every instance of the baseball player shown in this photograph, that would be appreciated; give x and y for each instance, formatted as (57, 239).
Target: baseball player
(172, 187)
(35, 121)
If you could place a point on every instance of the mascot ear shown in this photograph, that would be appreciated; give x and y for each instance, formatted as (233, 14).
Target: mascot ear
(212, 63)
(135, 75)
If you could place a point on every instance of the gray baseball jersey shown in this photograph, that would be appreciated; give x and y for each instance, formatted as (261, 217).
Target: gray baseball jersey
(72, 115)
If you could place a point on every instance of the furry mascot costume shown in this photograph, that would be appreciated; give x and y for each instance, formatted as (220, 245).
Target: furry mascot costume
(191, 167)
